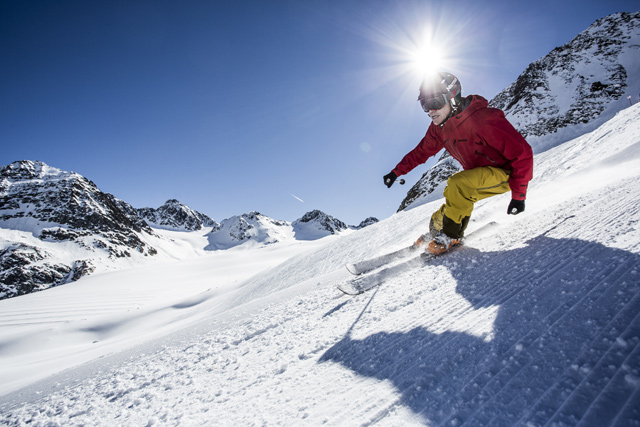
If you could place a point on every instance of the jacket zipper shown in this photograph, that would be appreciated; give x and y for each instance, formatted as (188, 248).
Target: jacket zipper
(454, 145)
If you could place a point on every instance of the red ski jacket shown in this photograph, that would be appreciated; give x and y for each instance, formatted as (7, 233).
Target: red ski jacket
(478, 136)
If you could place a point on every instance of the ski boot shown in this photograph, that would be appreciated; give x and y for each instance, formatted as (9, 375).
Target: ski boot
(422, 240)
(441, 244)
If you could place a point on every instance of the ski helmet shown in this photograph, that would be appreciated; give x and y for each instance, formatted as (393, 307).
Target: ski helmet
(438, 89)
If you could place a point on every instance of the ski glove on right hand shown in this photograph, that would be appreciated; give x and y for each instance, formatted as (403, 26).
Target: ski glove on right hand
(389, 179)
(515, 207)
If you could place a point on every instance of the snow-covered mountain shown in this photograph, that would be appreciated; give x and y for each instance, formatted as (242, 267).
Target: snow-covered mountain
(317, 224)
(173, 215)
(253, 228)
(578, 86)
(250, 228)
(57, 225)
(572, 90)
(534, 323)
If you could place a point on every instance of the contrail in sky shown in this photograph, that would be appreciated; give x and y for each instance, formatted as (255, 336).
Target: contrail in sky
(297, 198)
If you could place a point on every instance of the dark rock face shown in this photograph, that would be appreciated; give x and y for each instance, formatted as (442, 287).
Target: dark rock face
(22, 272)
(176, 216)
(57, 206)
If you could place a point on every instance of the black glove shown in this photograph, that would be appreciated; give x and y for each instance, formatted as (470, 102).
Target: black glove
(515, 207)
(389, 179)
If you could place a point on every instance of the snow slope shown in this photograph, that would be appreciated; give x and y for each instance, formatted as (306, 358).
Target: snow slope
(535, 323)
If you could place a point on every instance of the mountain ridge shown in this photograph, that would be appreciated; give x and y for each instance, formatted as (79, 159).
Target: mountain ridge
(68, 228)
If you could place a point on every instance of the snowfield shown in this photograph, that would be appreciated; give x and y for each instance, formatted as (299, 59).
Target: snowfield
(536, 322)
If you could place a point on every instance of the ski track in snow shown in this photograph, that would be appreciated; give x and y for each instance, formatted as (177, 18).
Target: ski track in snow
(536, 323)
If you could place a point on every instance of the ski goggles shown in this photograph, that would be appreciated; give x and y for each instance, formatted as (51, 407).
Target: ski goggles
(433, 102)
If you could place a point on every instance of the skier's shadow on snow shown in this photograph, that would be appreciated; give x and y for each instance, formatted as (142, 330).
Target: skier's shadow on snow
(555, 296)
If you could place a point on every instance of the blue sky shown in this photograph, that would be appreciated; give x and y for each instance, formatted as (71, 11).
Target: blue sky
(276, 106)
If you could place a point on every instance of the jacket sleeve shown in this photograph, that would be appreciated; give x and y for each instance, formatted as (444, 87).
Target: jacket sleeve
(498, 133)
(429, 146)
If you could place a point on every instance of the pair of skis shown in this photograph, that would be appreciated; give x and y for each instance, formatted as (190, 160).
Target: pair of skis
(365, 271)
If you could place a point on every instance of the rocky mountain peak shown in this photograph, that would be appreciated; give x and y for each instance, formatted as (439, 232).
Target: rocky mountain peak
(250, 227)
(577, 86)
(27, 169)
(366, 222)
(54, 206)
(174, 215)
(316, 224)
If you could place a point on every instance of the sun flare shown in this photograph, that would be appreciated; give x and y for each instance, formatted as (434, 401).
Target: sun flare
(417, 40)
(425, 60)
(420, 41)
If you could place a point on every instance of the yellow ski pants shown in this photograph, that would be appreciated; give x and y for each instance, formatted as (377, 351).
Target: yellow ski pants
(467, 187)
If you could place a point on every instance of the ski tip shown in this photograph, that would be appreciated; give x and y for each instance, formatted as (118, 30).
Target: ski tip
(347, 290)
(351, 268)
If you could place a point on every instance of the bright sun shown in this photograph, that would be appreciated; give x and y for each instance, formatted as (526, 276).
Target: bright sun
(425, 55)
(426, 60)
(417, 42)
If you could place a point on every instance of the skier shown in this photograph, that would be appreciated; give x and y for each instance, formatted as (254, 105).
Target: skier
(494, 156)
